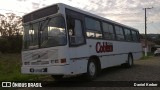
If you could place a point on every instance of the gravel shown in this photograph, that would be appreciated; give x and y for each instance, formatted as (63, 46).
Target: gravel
(143, 70)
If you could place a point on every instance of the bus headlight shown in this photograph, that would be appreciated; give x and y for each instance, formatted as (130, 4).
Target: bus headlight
(59, 61)
(55, 61)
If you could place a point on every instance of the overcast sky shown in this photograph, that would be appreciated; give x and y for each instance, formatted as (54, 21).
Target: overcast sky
(128, 12)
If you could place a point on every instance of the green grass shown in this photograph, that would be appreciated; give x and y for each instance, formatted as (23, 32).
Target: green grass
(10, 69)
(149, 55)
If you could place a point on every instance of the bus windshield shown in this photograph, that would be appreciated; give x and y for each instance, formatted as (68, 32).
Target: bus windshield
(46, 33)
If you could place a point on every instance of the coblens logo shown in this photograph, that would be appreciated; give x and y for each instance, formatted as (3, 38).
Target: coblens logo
(104, 47)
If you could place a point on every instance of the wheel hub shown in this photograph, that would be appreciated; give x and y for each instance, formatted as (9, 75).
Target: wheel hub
(92, 69)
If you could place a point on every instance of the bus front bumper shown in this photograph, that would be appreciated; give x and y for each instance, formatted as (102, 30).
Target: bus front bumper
(53, 70)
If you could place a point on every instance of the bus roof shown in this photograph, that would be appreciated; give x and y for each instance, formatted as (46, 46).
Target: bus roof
(93, 15)
(85, 13)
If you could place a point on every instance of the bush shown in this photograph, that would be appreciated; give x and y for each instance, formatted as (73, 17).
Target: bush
(11, 44)
(4, 45)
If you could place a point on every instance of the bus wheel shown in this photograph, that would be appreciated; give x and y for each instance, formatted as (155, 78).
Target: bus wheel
(57, 77)
(91, 70)
(130, 61)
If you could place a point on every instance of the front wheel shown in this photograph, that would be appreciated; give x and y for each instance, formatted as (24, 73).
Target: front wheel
(92, 70)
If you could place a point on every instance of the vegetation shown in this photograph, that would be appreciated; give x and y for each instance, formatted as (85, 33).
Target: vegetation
(149, 55)
(152, 37)
(10, 69)
(10, 24)
(12, 44)
(10, 33)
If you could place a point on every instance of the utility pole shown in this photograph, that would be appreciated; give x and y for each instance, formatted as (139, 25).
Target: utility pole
(145, 9)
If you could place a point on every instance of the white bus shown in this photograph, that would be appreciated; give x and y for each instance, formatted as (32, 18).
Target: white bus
(62, 40)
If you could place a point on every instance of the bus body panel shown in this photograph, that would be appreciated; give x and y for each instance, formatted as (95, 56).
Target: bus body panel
(79, 66)
(118, 56)
(110, 53)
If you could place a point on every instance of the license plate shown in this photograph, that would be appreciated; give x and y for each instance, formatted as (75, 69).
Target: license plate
(38, 70)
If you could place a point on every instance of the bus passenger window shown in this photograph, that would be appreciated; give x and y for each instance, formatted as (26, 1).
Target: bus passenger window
(108, 31)
(119, 33)
(128, 34)
(134, 35)
(93, 28)
(75, 32)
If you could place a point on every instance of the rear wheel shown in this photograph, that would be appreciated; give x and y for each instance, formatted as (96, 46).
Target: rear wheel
(129, 61)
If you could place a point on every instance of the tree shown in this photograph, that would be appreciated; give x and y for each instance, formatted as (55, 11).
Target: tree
(2, 23)
(11, 33)
(158, 40)
(10, 25)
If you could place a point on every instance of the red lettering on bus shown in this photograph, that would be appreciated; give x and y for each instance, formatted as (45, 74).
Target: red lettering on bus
(104, 47)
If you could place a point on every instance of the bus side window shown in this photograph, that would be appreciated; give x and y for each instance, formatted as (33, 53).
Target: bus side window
(138, 37)
(108, 31)
(93, 29)
(75, 31)
(128, 34)
(119, 33)
(135, 36)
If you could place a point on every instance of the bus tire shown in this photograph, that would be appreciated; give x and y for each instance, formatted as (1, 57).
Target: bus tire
(129, 61)
(57, 77)
(92, 70)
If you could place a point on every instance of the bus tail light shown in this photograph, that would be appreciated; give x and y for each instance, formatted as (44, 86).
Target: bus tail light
(63, 60)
